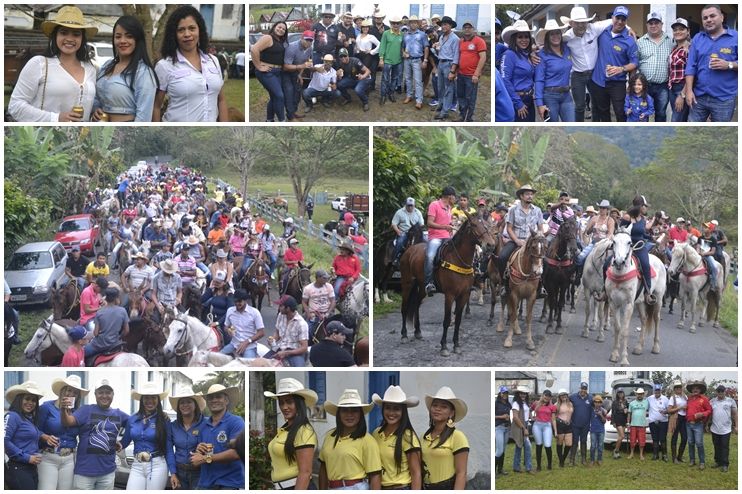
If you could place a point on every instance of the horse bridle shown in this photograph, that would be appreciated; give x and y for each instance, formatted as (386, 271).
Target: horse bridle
(48, 331)
(179, 343)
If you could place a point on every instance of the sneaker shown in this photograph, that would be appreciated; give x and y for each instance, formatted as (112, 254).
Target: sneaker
(441, 116)
(702, 466)
(433, 102)
(724, 469)
(365, 107)
(616, 455)
(430, 289)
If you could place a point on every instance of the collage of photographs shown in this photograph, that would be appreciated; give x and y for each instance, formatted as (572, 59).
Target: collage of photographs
(359, 259)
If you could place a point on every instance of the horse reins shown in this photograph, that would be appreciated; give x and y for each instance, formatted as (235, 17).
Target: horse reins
(75, 301)
(525, 277)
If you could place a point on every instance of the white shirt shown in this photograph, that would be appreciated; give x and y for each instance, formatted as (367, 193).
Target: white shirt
(585, 49)
(246, 323)
(193, 94)
(721, 418)
(679, 401)
(61, 94)
(368, 43)
(322, 80)
(239, 59)
(655, 405)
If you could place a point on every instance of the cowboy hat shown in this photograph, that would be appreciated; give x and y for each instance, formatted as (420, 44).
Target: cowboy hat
(577, 14)
(150, 388)
(523, 189)
(677, 383)
(520, 26)
(140, 255)
(72, 381)
(413, 18)
(232, 393)
(169, 266)
(379, 14)
(689, 387)
(522, 389)
(590, 209)
(350, 398)
(551, 25)
(358, 16)
(346, 244)
(72, 18)
(562, 391)
(197, 397)
(221, 253)
(447, 20)
(640, 391)
(395, 394)
(366, 23)
(395, 18)
(605, 203)
(290, 386)
(27, 388)
(446, 394)
(192, 240)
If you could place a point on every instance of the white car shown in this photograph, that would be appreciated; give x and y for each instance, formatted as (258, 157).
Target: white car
(338, 204)
(100, 53)
(629, 387)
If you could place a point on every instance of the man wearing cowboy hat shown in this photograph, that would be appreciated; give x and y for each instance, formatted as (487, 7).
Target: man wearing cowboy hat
(318, 301)
(322, 85)
(167, 286)
(519, 223)
(248, 327)
(439, 229)
(560, 212)
(329, 352)
(698, 413)
(347, 32)
(220, 464)
(415, 54)
(347, 268)
(390, 58)
(325, 37)
(377, 30)
(137, 276)
(186, 267)
(198, 252)
(448, 62)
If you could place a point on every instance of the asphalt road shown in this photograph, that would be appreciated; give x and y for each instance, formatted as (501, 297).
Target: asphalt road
(482, 346)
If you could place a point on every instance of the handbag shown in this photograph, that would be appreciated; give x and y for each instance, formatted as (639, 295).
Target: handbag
(673, 420)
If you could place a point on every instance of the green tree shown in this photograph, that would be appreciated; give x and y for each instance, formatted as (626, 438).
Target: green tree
(24, 216)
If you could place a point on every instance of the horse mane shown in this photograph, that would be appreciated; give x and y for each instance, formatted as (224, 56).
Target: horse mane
(562, 235)
(466, 225)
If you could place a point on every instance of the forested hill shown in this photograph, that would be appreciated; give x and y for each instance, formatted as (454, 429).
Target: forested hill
(639, 145)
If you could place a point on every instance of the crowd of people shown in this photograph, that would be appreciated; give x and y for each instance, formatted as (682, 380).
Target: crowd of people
(581, 62)
(570, 418)
(392, 456)
(65, 86)
(65, 444)
(331, 59)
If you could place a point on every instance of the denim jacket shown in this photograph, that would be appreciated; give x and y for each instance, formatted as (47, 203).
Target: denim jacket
(113, 94)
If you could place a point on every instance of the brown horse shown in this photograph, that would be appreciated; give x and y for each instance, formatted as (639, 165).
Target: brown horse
(280, 204)
(66, 301)
(256, 281)
(191, 301)
(526, 267)
(298, 280)
(558, 270)
(454, 275)
(384, 259)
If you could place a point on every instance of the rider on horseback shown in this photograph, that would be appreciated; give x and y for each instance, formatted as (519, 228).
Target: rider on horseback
(635, 219)
(291, 260)
(318, 301)
(709, 249)
(75, 268)
(439, 229)
(598, 227)
(403, 220)
(347, 268)
(289, 230)
(560, 212)
(97, 268)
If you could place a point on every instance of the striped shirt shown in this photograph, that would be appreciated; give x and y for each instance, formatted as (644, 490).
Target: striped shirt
(654, 58)
(187, 264)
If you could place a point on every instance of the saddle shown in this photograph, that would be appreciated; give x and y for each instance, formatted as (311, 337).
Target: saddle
(102, 358)
(634, 273)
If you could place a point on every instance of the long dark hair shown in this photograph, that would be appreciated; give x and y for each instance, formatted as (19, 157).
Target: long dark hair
(280, 39)
(404, 427)
(447, 431)
(357, 433)
(82, 54)
(17, 407)
(170, 41)
(160, 424)
(131, 25)
(547, 42)
(638, 76)
(196, 410)
(513, 40)
(301, 419)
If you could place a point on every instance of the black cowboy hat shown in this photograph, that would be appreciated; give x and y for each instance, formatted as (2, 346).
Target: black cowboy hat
(449, 21)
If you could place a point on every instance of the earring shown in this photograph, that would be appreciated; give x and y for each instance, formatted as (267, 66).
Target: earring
(449, 424)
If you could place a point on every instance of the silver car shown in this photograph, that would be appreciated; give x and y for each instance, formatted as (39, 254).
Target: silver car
(629, 387)
(33, 270)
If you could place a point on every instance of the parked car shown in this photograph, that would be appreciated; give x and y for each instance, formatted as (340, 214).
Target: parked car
(33, 270)
(338, 204)
(80, 230)
(100, 53)
(629, 386)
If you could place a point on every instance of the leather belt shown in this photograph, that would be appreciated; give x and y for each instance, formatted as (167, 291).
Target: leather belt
(146, 456)
(285, 484)
(272, 65)
(445, 59)
(395, 487)
(525, 93)
(334, 484)
(60, 452)
(557, 89)
(414, 58)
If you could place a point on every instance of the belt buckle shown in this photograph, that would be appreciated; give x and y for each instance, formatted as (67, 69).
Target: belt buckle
(144, 457)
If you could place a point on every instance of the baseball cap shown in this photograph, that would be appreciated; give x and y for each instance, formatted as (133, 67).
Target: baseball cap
(654, 16)
(467, 23)
(293, 241)
(287, 301)
(103, 383)
(75, 248)
(583, 385)
(410, 201)
(338, 327)
(680, 21)
(321, 273)
(241, 294)
(720, 388)
(621, 10)
(680, 220)
(328, 58)
(657, 387)
(77, 333)
(308, 34)
(503, 389)
(343, 52)
(481, 202)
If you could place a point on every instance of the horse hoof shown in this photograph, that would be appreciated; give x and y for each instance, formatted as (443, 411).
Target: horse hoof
(585, 333)
(508, 343)
(613, 358)
(418, 336)
(490, 322)
(572, 310)
(517, 330)
(681, 325)
(467, 315)
(601, 338)
(625, 363)
(559, 330)
(549, 329)
(457, 350)
(530, 345)
(670, 312)
(692, 329)
(445, 352)
(656, 349)
(500, 328)
(637, 350)
(405, 339)
(716, 325)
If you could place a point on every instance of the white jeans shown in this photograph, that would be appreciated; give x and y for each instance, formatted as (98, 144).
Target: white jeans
(56, 472)
(101, 482)
(151, 475)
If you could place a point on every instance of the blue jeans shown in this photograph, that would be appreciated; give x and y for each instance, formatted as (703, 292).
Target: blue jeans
(707, 106)
(389, 78)
(272, 259)
(579, 435)
(338, 283)
(445, 88)
(695, 439)
(188, 478)
(675, 91)
(561, 106)
(502, 433)
(712, 271)
(526, 455)
(430, 251)
(467, 93)
(413, 77)
(661, 95)
(250, 351)
(326, 96)
(271, 81)
(542, 433)
(579, 82)
(291, 91)
(398, 244)
(359, 86)
(583, 255)
(596, 446)
(296, 360)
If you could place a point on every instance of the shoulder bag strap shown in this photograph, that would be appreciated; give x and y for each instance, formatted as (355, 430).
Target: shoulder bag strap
(46, 75)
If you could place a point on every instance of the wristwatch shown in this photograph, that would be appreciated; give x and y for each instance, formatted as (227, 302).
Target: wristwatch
(731, 66)
(208, 458)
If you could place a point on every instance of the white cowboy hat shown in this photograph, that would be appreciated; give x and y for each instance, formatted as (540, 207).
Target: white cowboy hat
(197, 397)
(551, 25)
(27, 388)
(350, 398)
(395, 394)
(141, 255)
(169, 266)
(395, 18)
(562, 391)
(605, 203)
(232, 393)
(445, 393)
(221, 253)
(519, 26)
(150, 388)
(522, 389)
(72, 381)
(577, 14)
(192, 240)
(71, 18)
(290, 386)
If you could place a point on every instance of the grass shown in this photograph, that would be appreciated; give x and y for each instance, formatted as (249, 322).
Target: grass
(625, 474)
(30, 319)
(384, 308)
(234, 92)
(728, 309)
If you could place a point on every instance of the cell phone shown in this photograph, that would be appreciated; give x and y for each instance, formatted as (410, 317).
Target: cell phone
(547, 115)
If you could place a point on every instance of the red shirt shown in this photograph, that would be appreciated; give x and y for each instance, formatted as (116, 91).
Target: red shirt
(88, 297)
(74, 357)
(469, 54)
(292, 257)
(349, 218)
(678, 59)
(347, 266)
(698, 404)
(677, 235)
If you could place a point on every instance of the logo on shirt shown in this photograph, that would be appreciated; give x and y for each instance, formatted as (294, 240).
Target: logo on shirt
(726, 51)
(194, 432)
(643, 103)
(617, 48)
(471, 46)
(222, 437)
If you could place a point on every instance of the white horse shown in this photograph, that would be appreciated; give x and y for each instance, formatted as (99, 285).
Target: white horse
(188, 333)
(694, 282)
(354, 303)
(50, 333)
(205, 358)
(597, 311)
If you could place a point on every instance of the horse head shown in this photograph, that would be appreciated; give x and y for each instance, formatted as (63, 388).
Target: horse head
(40, 341)
(414, 235)
(482, 228)
(621, 249)
(567, 237)
(178, 333)
(535, 250)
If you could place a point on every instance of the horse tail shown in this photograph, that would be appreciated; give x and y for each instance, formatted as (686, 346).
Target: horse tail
(413, 303)
(712, 309)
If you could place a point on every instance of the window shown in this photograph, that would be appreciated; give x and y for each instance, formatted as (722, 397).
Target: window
(318, 382)
(574, 381)
(466, 12)
(437, 8)
(227, 10)
(415, 9)
(596, 381)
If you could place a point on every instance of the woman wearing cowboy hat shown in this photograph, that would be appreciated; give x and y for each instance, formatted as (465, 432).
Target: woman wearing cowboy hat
(698, 413)
(347, 267)
(401, 463)
(552, 74)
(292, 450)
(59, 86)
(517, 70)
(56, 471)
(519, 431)
(502, 428)
(445, 449)
(22, 436)
(183, 439)
(150, 430)
(349, 457)
(564, 409)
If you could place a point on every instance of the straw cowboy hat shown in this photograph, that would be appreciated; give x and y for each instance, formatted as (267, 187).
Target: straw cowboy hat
(395, 18)
(446, 394)
(150, 388)
(551, 25)
(395, 394)
(192, 240)
(526, 187)
(169, 266)
(519, 26)
(577, 14)
(350, 398)
(72, 18)
(139, 255)
(366, 23)
(347, 245)
(232, 393)
(290, 386)
(71, 381)
(197, 397)
(27, 388)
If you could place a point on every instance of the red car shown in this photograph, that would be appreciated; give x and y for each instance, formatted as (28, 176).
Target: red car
(81, 230)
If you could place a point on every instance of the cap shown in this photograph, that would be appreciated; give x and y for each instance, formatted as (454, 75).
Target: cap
(77, 333)
(654, 16)
(287, 301)
(343, 52)
(502, 389)
(328, 58)
(481, 202)
(321, 273)
(410, 201)
(75, 248)
(338, 327)
(657, 387)
(680, 220)
(621, 10)
(103, 383)
(467, 23)
(583, 385)
(680, 22)
(547, 392)
(720, 388)
(241, 294)
(293, 241)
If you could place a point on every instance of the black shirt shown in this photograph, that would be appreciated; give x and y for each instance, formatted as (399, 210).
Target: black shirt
(502, 409)
(327, 353)
(350, 69)
(325, 38)
(376, 31)
(77, 268)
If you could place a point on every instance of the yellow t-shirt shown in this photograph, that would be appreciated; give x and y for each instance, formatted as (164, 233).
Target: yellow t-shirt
(456, 211)
(350, 459)
(280, 468)
(238, 201)
(219, 195)
(96, 271)
(389, 474)
(439, 461)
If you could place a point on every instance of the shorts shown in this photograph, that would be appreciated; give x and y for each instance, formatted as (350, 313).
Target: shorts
(563, 427)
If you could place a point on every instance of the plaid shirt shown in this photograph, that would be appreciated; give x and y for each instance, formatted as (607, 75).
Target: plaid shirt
(678, 59)
(654, 58)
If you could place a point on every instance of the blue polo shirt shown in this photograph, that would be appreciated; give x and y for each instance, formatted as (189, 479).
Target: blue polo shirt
(50, 423)
(583, 409)
(99, 429)
(181, 442)
(143, 433)
(504, 111)
(518, 74)
(721, 84)
(596, 425)
(230, 474)
(553, 71)
(21, 438)
(415, 43)
(296, 55)
(618, 50)
(500, 49)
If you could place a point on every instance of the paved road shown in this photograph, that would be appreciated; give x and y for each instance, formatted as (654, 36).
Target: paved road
(482, 346)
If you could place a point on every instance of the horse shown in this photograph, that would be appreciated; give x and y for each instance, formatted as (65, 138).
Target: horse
(454, 276)
(384, 259)
(558, 271)
(525, 268)
(188, 334)
(280, 204)
(51, 339)
(353, 304)
(191, 300)
(597, 310)
(125, 254)
(297, 281)
(66, 301)
(256, 281)
(695, 284)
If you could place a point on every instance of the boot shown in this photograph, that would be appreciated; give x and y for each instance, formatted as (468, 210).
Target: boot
(583, 453)
(560, 449)
(673, 450)
(539, 447)
(572, 454)
(655, 451)
(548, 458)
(382, 99)
(680, 453)
(664, 452)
